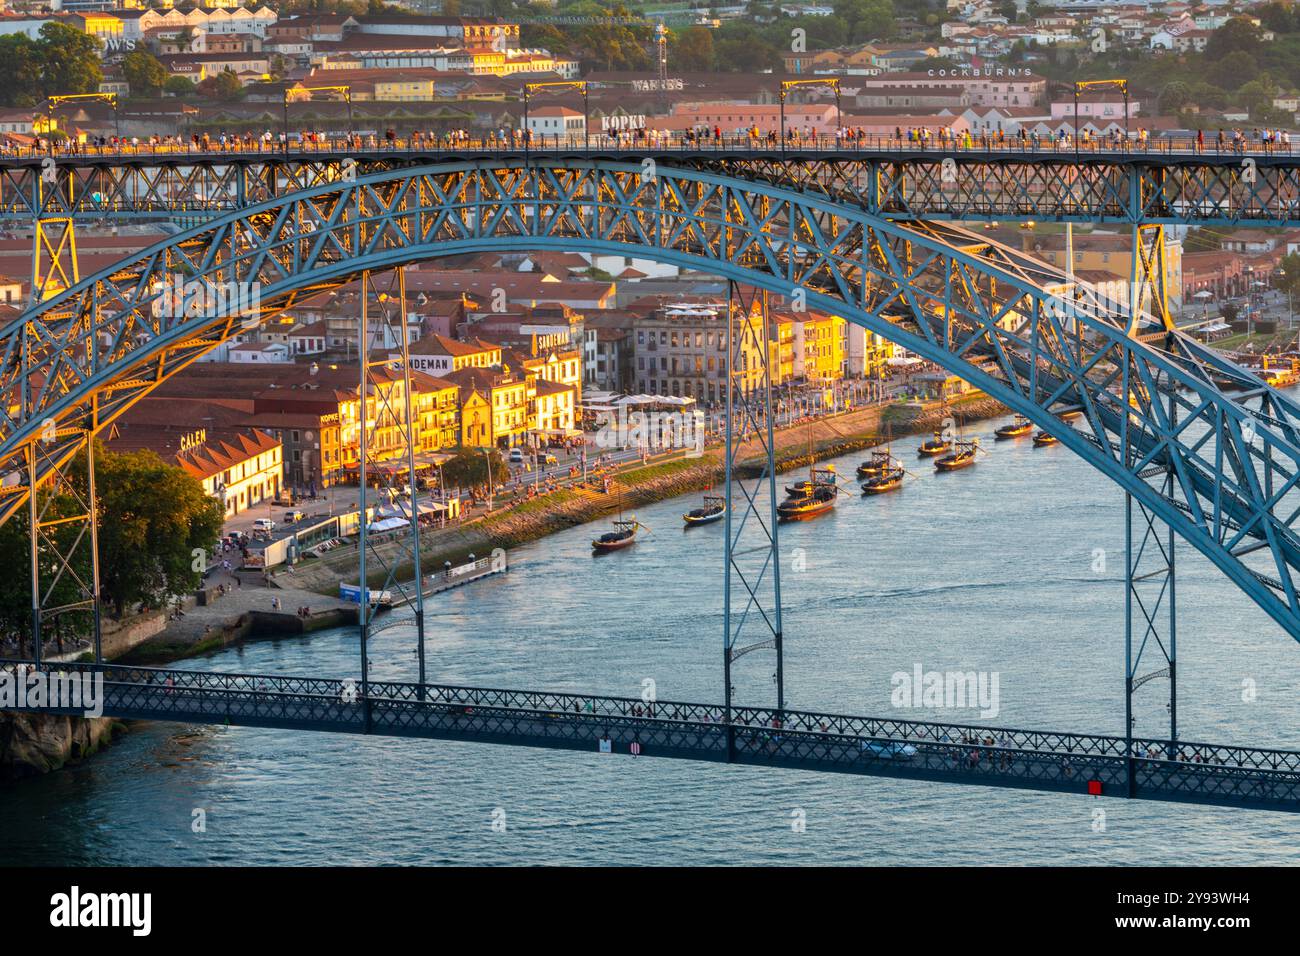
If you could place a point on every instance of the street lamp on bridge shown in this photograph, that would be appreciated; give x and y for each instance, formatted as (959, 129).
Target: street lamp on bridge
(54, 101)
(291, 92)
(1083, 85)
(529, 88)
(831, 81)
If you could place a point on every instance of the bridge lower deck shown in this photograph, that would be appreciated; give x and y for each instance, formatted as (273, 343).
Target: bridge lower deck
(990, 756)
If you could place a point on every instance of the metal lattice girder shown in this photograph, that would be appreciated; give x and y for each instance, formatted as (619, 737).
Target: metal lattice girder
(753, 558)
(1049, 183)
(992, 315)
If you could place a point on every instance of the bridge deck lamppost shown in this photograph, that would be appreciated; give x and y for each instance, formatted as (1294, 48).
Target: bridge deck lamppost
(1082, 85)
(290, 92)
(831, 81)
(58, 100)
(580, 85)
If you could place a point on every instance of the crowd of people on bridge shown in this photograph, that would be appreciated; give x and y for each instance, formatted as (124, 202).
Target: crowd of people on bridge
(1267, 140)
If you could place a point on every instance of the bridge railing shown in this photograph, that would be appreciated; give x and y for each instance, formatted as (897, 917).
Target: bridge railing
(765, 721)
(916, 142)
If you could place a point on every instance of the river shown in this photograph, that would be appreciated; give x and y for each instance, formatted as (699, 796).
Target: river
(997, 569)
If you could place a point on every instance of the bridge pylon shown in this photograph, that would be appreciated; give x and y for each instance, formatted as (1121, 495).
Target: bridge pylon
(62, 517)
(752, 571)
(388, 423)
(1150, 595)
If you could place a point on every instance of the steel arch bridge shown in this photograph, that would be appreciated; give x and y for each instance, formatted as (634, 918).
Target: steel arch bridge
(1220, 470)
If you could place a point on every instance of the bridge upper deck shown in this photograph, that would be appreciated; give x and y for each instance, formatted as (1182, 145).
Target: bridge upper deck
(1170, 180)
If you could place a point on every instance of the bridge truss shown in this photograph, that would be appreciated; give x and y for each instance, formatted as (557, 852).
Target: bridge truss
(1218, 468)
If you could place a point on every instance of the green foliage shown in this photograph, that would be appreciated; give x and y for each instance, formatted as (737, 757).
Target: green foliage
(60, 60)
(224, 86)
(470, 468)
(1238, 35)
(158, 515)
(1289, 278)
(179, 86)
(71, 60)
(153, 518)
(144, 73)
(693, 50)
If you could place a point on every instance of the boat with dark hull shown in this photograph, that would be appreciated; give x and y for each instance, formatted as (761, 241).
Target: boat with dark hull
(877, 464)
(623, 536)
(963, 456)
(823, 491)
(1043, 439)
(1018, 429)
(891, 479)
(936, 446)
(713, 509)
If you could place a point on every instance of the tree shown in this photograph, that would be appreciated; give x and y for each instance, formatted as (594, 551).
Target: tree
(144, 73)
(1174, 97)
(224, 86)
(21, 63)
(1238, 35)
(71, 60)
(470, 468)
(867, 19)
(179, 86)
(160, 517)
(1257, 96)
(1288, 275)
(693, 50)
(1278, 17)
(1233, 70)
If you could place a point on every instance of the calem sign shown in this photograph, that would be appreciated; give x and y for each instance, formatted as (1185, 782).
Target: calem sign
(614, 124)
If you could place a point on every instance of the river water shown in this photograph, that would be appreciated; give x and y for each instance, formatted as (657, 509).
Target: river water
(1012, 568)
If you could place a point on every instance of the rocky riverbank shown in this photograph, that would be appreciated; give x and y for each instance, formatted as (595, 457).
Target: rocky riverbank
(33, 744)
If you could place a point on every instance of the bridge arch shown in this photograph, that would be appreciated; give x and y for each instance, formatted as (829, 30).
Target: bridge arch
(1220, 471)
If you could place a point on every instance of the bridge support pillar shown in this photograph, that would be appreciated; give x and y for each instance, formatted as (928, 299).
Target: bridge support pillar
(385, 400)
(1149, 277)
(1151, 615)
(63, 536)
(752, 562)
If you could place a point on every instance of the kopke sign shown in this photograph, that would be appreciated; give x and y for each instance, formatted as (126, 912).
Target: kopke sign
(613, 124)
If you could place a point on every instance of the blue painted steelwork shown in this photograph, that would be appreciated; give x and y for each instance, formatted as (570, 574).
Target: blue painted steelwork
(768, 737)
(988, 313)
(1224, 188)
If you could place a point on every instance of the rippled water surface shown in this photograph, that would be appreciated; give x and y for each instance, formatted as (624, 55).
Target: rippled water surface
(992, 569)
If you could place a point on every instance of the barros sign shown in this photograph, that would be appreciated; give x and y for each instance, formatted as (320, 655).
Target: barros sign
(654, 86)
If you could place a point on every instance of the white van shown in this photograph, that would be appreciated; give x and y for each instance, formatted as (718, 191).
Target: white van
(263, 524)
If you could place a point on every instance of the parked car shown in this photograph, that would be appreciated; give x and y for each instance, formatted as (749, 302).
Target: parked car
(295, 515)
(516, 456)
(546, 458)
(889, 749)
(263, 524)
